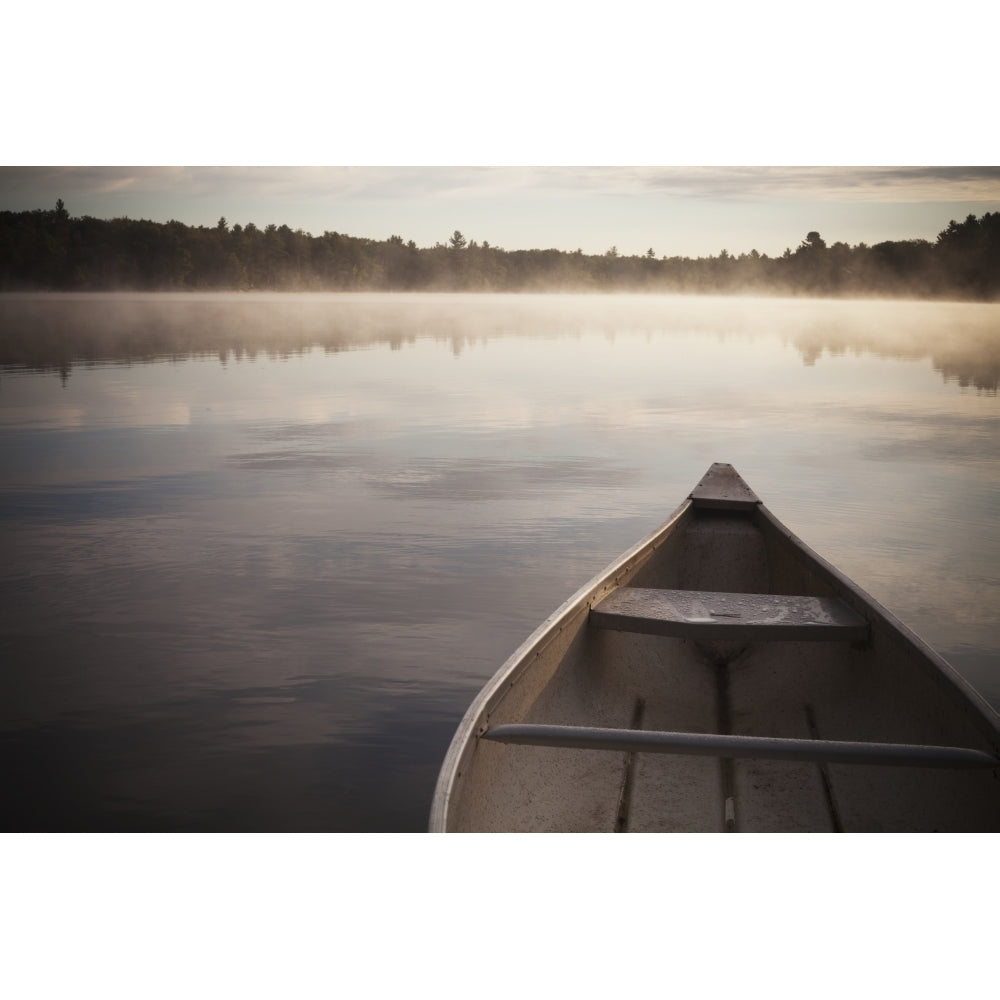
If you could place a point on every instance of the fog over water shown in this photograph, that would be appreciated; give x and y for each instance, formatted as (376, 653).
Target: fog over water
(261, 550)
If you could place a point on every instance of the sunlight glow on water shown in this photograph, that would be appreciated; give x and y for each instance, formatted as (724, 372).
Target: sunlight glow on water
(260, 552)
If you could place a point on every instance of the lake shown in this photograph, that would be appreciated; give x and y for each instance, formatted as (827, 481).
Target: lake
(259, 551)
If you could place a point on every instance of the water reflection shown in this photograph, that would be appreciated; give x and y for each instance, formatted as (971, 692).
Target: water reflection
(58, 333)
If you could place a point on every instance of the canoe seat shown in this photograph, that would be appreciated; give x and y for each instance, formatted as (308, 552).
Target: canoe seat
(701, 614)
(722, 745)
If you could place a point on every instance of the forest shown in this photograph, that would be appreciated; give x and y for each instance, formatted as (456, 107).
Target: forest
(51, 250)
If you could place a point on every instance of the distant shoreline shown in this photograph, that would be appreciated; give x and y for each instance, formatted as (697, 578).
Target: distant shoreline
(49, 250)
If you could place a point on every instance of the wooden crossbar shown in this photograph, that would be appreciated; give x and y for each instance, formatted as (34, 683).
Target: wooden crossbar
(721, 745)
(702, 614)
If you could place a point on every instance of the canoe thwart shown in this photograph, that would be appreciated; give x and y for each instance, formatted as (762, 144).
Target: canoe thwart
(703, 614)
(721, 745)
(722, 487)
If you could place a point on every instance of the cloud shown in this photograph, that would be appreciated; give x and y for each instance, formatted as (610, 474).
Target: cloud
(314, 183)
(897, 184)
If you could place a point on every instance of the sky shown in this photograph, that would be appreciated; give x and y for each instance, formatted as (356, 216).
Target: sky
(420, 120)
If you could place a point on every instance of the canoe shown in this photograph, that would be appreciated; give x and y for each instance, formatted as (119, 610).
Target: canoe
(720, 676)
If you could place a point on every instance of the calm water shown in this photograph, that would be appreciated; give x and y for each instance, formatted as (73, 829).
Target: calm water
(258, 553)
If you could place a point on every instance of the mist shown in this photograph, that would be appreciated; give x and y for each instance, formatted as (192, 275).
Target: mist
(58, 332)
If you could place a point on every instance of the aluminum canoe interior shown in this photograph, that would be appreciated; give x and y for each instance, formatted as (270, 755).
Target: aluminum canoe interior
(722, 677)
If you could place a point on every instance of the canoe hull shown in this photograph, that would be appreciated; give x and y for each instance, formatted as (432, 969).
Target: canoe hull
(887, 687)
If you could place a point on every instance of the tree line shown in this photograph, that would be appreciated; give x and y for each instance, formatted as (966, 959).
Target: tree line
(50, 250)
